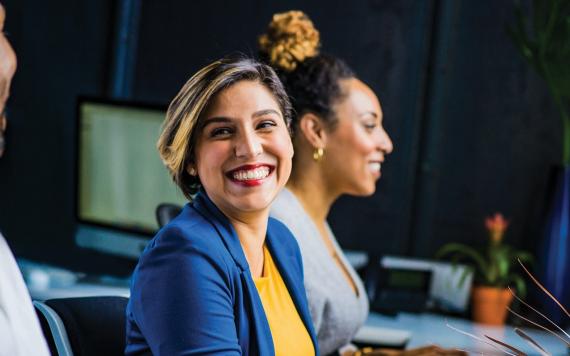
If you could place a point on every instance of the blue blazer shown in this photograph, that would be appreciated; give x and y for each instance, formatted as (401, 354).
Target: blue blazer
(192, 292)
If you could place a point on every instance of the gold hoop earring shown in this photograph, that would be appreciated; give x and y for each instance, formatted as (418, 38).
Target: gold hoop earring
(318, 154)
(192, 171)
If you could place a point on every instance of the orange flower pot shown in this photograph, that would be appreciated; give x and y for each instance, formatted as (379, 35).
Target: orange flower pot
(490, 305)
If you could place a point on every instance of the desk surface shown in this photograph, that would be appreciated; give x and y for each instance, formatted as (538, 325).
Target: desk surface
(424, 328)
(77, 290)
(432, 329)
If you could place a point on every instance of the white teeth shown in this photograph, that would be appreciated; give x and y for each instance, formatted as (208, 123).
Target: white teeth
(257, 173)
(375, 166)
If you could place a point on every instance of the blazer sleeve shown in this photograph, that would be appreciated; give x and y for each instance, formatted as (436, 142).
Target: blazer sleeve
(182, 300)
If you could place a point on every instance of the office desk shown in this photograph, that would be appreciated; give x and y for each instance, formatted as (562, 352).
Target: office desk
(432, 329)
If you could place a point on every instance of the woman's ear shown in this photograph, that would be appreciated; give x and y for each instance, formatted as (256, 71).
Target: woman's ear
(191, 169)
(313, 128)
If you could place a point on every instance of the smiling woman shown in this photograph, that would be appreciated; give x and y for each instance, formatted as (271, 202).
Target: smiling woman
(222, 277)
(340, 145)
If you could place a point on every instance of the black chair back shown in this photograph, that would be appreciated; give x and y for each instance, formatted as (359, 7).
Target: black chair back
(166, 212)
(94, 325)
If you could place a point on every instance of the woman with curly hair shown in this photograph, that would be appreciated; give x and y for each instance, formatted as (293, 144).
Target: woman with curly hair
(340, 146)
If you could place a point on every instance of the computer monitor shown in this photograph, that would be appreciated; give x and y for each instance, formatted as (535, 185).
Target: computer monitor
(120, 177)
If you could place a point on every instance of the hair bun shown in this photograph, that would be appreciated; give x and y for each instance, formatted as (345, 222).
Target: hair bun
(290, 39)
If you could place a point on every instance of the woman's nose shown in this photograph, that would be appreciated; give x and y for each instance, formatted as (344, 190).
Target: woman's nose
(385, 143)
(248, 145)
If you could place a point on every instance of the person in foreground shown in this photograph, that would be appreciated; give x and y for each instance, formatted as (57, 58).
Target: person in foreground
(340, 145)
(222, 277)
(20, 331)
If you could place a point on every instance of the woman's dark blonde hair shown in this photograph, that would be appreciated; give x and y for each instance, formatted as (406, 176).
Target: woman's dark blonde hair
(181, 128)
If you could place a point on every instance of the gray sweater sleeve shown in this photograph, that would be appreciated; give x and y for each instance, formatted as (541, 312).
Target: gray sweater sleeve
(337, 312)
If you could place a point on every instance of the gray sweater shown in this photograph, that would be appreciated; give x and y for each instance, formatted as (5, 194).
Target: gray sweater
(336, 310)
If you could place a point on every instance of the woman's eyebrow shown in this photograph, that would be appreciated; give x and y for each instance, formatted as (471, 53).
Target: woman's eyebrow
(373, 113)
(217, 119)
(266, 112)
(226, 120)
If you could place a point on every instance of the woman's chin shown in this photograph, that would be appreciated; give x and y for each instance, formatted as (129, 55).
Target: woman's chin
(363, 190)
(251, 202)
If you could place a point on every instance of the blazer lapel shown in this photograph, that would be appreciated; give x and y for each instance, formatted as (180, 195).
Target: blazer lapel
(210, 212)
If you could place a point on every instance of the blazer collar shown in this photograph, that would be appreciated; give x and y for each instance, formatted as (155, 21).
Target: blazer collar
(284, 260)
(205, 207)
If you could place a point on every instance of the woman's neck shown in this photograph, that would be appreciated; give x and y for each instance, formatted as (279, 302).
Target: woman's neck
(313, 192)
(317, 197)
(251, 229)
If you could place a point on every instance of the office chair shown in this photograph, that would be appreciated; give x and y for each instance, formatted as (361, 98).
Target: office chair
(166, 212)
(84, 326)
(44, 324)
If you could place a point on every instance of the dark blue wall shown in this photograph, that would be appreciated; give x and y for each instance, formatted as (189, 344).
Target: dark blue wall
(473, 127)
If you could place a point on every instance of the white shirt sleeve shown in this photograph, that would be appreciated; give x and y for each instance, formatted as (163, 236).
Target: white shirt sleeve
(20, 331)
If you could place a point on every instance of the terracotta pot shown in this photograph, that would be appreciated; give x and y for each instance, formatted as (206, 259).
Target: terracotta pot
(490, 305)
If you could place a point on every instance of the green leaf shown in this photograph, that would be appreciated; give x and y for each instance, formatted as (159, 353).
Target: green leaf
(520, 284)
(520, 38)
(466, 272)
(461, 250)
(523, 256)
(500, 262)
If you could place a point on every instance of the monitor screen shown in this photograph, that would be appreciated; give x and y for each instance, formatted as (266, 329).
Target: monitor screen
(120, 179)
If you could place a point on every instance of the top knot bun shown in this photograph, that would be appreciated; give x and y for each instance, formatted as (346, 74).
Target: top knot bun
(290, 39)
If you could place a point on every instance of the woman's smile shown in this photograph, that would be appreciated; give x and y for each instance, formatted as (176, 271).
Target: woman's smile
(250, 175)
(375, 168)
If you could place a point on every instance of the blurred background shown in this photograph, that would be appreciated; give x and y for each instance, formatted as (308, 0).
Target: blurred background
(474, 127)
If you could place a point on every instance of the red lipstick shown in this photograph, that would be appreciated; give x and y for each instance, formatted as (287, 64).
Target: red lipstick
(250, 175)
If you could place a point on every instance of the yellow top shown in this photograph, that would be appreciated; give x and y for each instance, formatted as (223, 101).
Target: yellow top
(290, 336)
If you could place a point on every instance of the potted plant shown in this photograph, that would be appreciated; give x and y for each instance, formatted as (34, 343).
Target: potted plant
(494, 271)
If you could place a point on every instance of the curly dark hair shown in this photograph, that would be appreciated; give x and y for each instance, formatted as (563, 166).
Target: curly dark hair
(314, 86)
(312, 80)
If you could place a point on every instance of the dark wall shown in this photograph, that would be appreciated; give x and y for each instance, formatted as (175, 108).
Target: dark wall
(491, 134)
(473, 127)
(64, 50)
